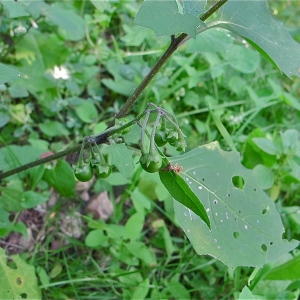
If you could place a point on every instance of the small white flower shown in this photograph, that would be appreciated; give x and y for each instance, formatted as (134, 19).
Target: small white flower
(20, 29)
(60, 72)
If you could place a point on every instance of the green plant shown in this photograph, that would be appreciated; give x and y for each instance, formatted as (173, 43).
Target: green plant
(222, 209)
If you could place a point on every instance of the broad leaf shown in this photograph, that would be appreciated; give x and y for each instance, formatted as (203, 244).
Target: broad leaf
(164, 18)
(254, 21)
(212, 40)
(121, 157)
(180, 191)
(61, 178)
(194, 7)
(15, 9)
(87, 112)
(71, 24)
(246, 229)
(7, 74)
(287, 271)
(17, 278)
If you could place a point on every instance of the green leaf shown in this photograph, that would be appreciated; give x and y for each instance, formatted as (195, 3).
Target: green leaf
(102, 5)
(242, 59)
(213, 40)
(11, 196)
(7, 74)
(264, 175)
(121, 157)
(246, 229)
(5, 223)
(134, 226)
(141, 291)
(287, 271)
(87, 112)
(31, 199)
(194, 7)
(180, 191)
(54, 128)
(72, 25)
(15, 156)
(141, 251)
(177, 290)
(16, 9)
(61, 178)
(246, 294)
(164, 19)
(254, 21)
(95, 238)
(266, 145)
(18, 279)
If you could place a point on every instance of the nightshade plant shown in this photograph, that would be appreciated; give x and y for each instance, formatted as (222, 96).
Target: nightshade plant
(220, 205)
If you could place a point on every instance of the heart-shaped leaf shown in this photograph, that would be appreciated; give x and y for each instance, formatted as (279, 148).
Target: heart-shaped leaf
(246, 229)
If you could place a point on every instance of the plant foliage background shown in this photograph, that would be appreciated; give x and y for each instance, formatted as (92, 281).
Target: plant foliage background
(68, 67)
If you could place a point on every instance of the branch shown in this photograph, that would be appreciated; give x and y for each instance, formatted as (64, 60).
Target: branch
(102, 137)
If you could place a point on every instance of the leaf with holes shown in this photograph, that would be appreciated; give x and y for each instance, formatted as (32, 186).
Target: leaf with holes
(17, 278)
(246, 229)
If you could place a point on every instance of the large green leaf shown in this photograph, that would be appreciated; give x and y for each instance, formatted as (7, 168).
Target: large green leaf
(246, 229)
(253, 21)
(17, 278)
(164, 18)
(15, 9)
(194, 7)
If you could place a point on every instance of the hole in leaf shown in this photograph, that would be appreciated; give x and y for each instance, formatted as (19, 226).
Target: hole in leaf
(264, 247)
(254, 190)
(215, 201)
(203, 179)
(271, 243)
(19, 281)
(264, 211)
(11, 264)
(236, 234)
(238, 182)
(23, 296)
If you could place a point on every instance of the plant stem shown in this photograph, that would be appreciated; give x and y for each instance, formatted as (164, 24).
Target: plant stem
(101, 138)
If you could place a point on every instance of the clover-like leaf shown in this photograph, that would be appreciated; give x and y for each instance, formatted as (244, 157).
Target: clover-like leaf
(246, 229)
(254, 21)
(164, 18)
